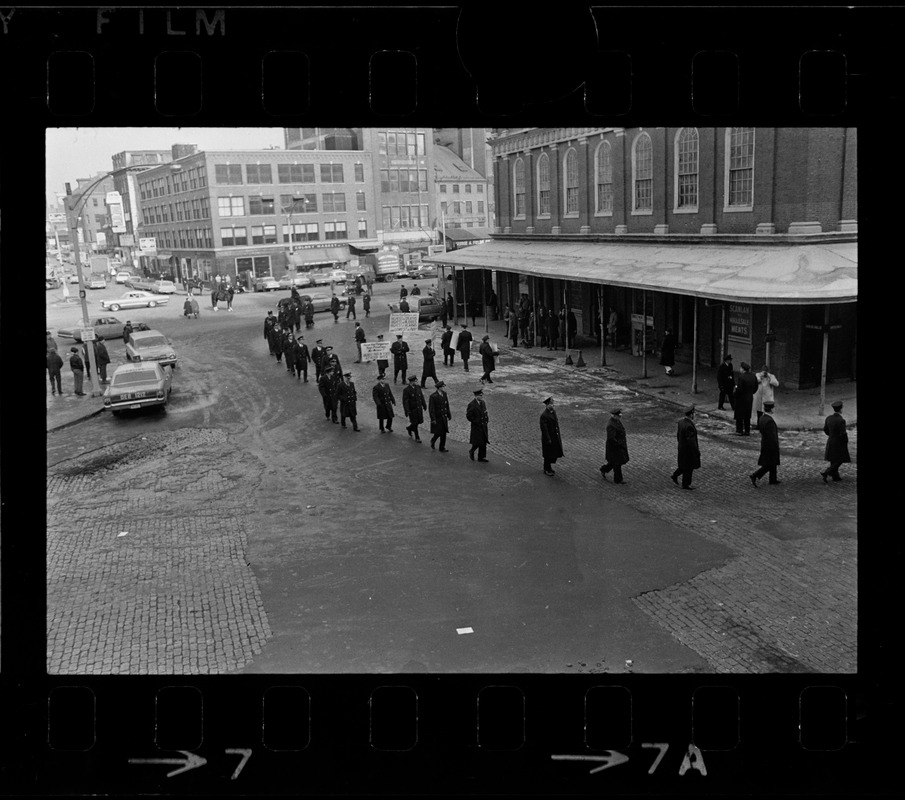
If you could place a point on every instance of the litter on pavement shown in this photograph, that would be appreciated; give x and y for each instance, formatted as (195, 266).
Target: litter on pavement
(460, 631)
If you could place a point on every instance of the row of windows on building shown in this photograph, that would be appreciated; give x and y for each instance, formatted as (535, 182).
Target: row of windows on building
(403, 180)
(405, 217)
(237, 236)
(457, 206)
(739, 174)
(400, 143)
(254, 174)
(479, 188)
(199, 208)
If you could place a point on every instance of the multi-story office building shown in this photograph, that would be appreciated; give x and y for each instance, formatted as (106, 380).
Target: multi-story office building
(740, 240)
(256, 211)
(92, 223)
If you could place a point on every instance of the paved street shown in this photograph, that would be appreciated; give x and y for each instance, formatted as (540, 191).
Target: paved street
(242, 532)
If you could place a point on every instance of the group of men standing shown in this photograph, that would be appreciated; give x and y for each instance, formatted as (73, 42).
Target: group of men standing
(80, 366)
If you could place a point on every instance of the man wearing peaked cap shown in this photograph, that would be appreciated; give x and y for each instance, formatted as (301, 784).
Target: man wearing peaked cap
(745, 389)
(836, 444)
(551, 439)
(769, 446)
(689, 457)
(413, 406)
(317, 356)
(428, 369)
(384, 400)
(463, 345)
(438, 409)
(348, 397)
(616, 447)
(487, 359)
(725, 381)
(399, 349)
(445, 341)
(476, 414)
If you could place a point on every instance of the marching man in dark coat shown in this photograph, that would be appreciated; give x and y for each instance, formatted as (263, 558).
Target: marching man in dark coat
(440, 415)
(448, 352)
(725, 381)
(404, 306)
(399, 348)
(744, 400)
(551, 440)
(463, 345)
(413, 406)
(54, 370)
(769, 446)
(428, 370)
(366, 305)
(836, 444)
(302, 358)
(616, 447)
(348, 406)
(327, 386)
(689, 452)
(317, 355)
(334, 308)
(487, 359)
(276, 340)
(384, 400)
(476, 414)
(287, 344)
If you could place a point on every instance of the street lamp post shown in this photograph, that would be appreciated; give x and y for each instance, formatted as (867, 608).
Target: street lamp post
(291, 207)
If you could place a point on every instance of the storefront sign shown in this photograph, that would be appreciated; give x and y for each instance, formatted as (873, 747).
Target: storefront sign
(740, 321)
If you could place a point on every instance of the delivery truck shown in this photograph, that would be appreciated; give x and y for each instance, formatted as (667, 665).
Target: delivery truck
(383, 265)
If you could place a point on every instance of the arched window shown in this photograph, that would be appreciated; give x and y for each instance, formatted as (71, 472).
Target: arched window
(642, 173)
(687, 169)
(519, 187)
(604, 178)
(740, 167)
(543, 184)
(571, 176)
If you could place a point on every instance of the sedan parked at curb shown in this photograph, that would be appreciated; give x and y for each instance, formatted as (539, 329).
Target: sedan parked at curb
(321, 302)
(135, 299)
(266, 283)
(137, 386)
(429, 308)
(163, 287)
(124, 277)
(151, 346)
(108, 327)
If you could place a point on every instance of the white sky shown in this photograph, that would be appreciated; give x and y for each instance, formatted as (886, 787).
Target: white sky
(73, 153)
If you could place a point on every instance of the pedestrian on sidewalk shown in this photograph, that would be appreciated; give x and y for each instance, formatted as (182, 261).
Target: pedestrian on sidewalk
(413, 406)
(767, 383)
(668, 351)
(350, 307)
(54, 371)
(689, 457)
(744, 400)
(487, 359)
(463, 345)
(103, 358)
(476, 414)
(769, 446)
(51, 342)
(78, 370)
(366, 305)
(725, 381)
(348, 405)
(550, 437)
(384, 400)
(836, 444)
(450, 307)
(399, 349)
(359, 340)
(428, 368)
(616, 447)
(334, 308)
(440, 415)
(449, 354)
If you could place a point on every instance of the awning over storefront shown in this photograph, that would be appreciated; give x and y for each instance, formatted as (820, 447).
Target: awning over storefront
(792, 274)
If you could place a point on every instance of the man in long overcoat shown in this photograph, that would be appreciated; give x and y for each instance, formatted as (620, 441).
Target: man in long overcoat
(287, 343)
(616, 447)
(384, 400)
(269, 321)
(769, 446)
(103, 358)
(487, 359)
(399, 348)
(448, 352)
(428, 369)
(689, 457)
(725, 381)
(550, 438)
(413, 406)
(359, 340)
(463, 345)
(317, 355)
(348, 405)
(302, 358)
(328, 385)
(440, 415)
(54, 370)
(334, 308)
(744, 400)
(836, 444)
(476, 414)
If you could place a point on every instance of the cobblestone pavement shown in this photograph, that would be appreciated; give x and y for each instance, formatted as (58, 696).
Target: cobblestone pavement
(164, 592)
(788, 601)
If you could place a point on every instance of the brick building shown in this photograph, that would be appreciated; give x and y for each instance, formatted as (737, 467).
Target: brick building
(256, 212)
(462, 192)
(91, 222)
(740, 240)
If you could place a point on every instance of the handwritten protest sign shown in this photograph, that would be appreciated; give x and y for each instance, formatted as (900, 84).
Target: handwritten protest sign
(374, 351)
(406, 324)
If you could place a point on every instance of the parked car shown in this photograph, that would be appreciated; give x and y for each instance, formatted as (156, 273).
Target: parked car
(108, 327)
(266, 283)
(135, 299)
(321, 301)
(73, 278)
(51, 282)
(162, 286)
(426, 271)
(298, 280)
(97, 282)
(124, 277)
(136, 386)
(150, 345)
(429, 308)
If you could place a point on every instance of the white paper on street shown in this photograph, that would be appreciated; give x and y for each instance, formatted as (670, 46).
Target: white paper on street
(460, 631)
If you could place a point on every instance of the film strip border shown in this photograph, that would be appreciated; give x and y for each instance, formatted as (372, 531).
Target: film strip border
(508, 733)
